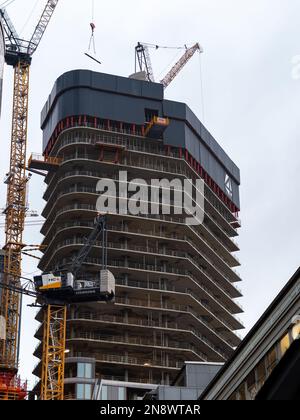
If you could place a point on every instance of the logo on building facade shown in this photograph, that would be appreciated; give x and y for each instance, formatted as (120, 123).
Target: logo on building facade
(228, 186)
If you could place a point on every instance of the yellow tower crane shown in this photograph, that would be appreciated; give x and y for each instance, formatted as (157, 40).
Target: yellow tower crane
(18, 53)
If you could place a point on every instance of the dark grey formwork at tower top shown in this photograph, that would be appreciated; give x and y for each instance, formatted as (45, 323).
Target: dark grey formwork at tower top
(83, 92)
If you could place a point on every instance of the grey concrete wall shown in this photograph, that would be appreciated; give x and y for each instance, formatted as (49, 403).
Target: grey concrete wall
(200, 375)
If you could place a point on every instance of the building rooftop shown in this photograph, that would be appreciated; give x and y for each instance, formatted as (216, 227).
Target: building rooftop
(115, 98)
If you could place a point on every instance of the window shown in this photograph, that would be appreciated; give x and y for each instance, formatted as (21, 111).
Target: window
(80, 370)
(84, 392)
(241, 393)
(88, 371)
(296, 331)
(284, 345)
(122, 394)
(251, 385)
(271, 360)
(113, 393)
(104, 393)
(84, 370)
(261, 373)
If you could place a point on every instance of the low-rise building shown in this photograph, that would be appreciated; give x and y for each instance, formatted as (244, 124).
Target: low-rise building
(265, 365)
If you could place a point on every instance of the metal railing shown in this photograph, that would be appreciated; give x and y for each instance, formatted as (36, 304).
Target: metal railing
(213, 220)
(139, 341)
(154, 217)
(78, 241)
(135, 145)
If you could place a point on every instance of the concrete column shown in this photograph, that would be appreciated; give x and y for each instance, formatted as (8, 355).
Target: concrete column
(126, 261)
(126, 316)
(126, 278)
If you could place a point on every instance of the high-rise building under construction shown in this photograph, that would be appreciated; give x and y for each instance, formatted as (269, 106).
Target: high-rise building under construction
(175, 283)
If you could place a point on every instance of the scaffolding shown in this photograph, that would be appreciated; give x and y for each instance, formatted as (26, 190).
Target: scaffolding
(12, 388)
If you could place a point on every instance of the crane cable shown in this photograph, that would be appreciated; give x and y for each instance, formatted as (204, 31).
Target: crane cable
(202, 89)
(159, 47)
(29, 17)
(174, 59)
(6, 3)
(93, 27)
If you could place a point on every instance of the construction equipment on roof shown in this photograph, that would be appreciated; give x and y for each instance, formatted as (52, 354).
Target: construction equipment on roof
(18, 53)
(143, 60)
(54, 292)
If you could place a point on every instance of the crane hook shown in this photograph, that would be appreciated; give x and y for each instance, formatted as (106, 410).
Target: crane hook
(92, 39)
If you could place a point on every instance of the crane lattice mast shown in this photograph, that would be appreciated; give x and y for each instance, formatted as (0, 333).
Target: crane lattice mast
(143, 59)
(168, 79)
(18, 54)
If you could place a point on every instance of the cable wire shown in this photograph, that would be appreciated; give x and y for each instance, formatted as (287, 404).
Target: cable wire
(6, 3)
(202, 89)
(93, 10)
(174, 59)
(29, 17)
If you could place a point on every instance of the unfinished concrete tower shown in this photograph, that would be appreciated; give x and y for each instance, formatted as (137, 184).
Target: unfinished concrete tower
(175, 294)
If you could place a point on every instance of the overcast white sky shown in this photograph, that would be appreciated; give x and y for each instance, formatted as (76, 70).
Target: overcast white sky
(251, 106)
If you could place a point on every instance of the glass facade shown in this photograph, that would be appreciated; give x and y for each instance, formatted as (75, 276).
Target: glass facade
(84, 392)
(1, 63)
(84, 371)
(113, 393)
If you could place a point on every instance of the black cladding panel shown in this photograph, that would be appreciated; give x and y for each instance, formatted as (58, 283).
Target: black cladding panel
(83, 92)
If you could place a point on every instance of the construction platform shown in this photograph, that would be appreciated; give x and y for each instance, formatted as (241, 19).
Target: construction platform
(12, 388)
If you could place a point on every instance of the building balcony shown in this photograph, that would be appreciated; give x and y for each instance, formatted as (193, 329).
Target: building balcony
(180, 330)
(210, 244)
(219, 265)
(90, 136)
(88, 176)
(220, 235)
(107, 359)
(133, 344)
(184, 263)
(130, 229)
